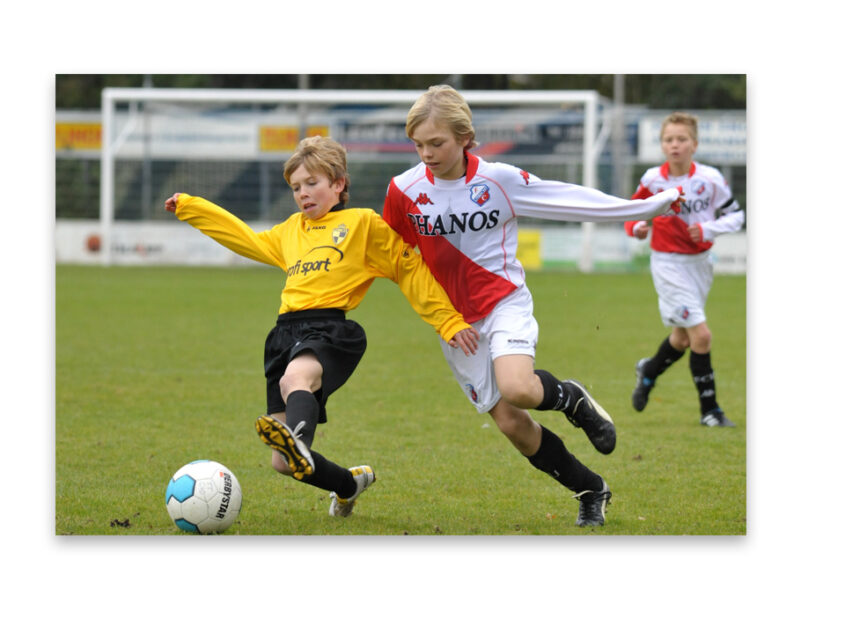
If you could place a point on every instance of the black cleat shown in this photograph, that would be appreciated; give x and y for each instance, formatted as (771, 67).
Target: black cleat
(591, 417)
(592, 506)
(716, 418)
(639, 398)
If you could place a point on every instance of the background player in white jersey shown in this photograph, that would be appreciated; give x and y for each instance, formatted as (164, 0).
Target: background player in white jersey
(461, 212)
(680, 261)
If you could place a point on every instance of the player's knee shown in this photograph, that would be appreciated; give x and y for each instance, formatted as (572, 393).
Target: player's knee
(515, 424)
(518, 393)
(679, 339)
(285, 386)
(288, 384)
(292, 382)
(701, 339)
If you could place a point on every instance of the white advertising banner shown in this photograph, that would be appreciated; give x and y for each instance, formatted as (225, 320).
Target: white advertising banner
(721, 138)
(170, 243)
(142, 243)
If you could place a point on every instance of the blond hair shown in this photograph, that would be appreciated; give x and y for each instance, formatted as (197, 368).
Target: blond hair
(446, 105)
(683, 118)
(320, 155)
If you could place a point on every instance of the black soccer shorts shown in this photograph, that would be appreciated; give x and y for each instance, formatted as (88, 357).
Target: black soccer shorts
(337, 342)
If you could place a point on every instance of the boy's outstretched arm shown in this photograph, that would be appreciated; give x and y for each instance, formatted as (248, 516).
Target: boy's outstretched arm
(225, 228)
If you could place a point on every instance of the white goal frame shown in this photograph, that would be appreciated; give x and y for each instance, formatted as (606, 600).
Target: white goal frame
(112, 138)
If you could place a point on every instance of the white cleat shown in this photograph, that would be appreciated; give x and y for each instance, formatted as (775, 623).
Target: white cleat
(364, 477)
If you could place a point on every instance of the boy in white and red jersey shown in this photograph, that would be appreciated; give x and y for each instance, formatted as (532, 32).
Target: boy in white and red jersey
(330, 255)
(680, 261)
(461, 212)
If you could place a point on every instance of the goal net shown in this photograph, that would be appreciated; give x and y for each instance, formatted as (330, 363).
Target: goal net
(230, 146)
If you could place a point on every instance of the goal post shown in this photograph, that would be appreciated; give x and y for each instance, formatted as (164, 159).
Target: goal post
(130, 127)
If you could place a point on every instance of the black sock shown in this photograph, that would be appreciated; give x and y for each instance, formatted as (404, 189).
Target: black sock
(553, 458)
(557, 394)
(705, 381)
(302, 406)
(554, 394)
(666, 355)
(331, 477)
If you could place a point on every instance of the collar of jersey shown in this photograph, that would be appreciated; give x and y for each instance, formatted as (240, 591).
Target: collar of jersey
(664, 169)
(337, 207)
(472, 168)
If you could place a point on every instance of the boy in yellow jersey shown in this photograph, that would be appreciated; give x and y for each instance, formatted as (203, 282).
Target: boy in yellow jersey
(331, 256)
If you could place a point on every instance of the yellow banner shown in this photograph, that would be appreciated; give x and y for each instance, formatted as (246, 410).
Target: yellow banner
(275, 138)
(528, 249)
(78, 136)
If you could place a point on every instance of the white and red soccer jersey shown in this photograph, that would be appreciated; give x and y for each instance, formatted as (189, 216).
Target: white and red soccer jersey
(708, 202)
(466, 229)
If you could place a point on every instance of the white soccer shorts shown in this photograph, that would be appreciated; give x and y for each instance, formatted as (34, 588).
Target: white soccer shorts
(509, 329)
(682, 283)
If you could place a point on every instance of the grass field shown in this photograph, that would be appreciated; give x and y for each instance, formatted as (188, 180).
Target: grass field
(156, 367)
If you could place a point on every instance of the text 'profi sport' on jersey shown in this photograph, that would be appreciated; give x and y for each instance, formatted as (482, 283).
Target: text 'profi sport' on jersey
(330, 262)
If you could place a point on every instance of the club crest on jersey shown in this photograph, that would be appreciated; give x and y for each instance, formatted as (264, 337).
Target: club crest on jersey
(472, 393)
(479, 194)
(339, 233)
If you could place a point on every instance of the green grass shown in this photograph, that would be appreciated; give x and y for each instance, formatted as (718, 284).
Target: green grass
(156, 367)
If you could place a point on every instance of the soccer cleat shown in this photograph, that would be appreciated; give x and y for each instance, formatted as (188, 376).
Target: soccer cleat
(592, 506)
(640, 395)
(364, 477)
(279, 436)
(591, 417)
(716, 418)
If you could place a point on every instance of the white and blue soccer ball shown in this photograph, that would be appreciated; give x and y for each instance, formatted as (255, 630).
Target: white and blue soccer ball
(203, 497)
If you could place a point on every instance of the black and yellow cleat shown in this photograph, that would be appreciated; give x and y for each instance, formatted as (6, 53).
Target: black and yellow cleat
(279, 436)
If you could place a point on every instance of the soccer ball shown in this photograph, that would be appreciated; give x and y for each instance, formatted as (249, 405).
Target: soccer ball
(203, 497)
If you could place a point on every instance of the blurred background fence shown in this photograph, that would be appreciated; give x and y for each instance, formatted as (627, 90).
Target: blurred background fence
(233, 153)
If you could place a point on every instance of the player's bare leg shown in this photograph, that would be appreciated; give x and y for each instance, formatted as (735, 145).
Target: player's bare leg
(519, 428)
(517, 382)
(304, 372)
(292, 443)
(291, 434)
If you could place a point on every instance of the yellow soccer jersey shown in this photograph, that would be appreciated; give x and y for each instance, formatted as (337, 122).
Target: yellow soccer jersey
(330, 262)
